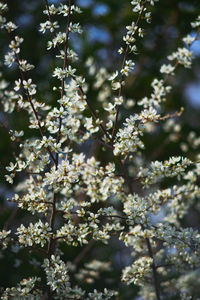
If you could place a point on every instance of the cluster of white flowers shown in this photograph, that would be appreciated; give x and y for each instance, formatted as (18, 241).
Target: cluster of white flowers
(196, 24)
(192, 141)
(92, 271)
(26, 289)
(4, 238)
(138, 270)
(175, 166)
(158, 96)
(106, 294)
(183, 56)
(76, 198)
(128, 138)
(134, 31)
(37, 233)
(58, 280)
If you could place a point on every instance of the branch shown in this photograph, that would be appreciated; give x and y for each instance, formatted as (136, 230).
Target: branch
(123, 64)
(32, 106)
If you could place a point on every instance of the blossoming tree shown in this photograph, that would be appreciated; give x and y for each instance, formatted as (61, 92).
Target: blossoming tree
(76, 201)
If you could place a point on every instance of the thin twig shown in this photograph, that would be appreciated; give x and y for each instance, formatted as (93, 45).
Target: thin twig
(154, 270)
(32, 105)
(123, 64)
(92, 111)
(65, 65)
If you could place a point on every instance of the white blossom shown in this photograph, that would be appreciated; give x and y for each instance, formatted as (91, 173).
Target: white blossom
(76, 201)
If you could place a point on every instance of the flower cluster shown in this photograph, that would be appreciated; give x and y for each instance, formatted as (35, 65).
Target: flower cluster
(4, 238)
(37, 233)
(58, 280)
(138, 270)
(175, 166)
(183, 56)
(72, 198)
(26, 289)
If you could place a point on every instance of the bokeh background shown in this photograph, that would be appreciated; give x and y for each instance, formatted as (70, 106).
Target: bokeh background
(104, 24)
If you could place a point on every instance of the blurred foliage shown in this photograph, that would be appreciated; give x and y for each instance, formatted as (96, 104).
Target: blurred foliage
(104, 24)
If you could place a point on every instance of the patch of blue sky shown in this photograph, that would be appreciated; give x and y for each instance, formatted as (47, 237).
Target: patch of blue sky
(192, 93)
(102, 54)
(98, 34)
(155, 219)
(84, 3)
(53, 1)
(100, 9)
(77, 42)
(25, 20)
(196, 47)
